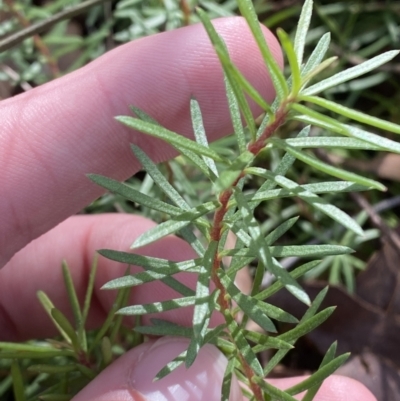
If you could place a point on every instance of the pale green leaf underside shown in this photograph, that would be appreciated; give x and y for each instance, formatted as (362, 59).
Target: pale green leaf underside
(157, 307)
(317, 55)
(351, 73)
(171, 137)
(305, 251)
(174, 225)
(372, 141)
(302, 30)
(200, 133)
(328, 169)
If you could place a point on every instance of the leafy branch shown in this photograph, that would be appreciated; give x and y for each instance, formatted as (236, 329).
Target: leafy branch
(232, 209)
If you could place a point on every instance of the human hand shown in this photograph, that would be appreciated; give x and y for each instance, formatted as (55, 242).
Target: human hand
(55, 134)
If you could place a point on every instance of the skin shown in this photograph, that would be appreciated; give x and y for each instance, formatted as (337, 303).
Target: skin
(53, 135)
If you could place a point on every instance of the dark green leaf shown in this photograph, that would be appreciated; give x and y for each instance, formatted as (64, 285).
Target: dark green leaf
(318, 377)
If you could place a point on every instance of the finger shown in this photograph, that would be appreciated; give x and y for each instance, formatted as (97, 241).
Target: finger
(54, 135)
(38, 267)
(130, 378)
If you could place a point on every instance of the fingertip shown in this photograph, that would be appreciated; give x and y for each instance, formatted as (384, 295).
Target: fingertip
(131, 377)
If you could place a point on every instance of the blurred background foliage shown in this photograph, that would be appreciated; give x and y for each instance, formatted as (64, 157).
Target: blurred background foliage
(360, 30)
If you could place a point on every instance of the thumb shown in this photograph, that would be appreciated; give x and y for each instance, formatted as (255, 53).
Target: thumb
(130, 378)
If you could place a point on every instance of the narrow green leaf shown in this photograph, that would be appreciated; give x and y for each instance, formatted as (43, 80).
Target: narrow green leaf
(48, 307)
(272, 391)
(162, 271)
(18, 382)
(266, 341)
(171, 137)
(317, 55)
(175, 197)
(73, 297)
(142, 115)
(351, 73)
(329, 356)
(197, 161)
(234, 111)
(159, 178)
(111, 319)
(164, 328)
(317, 70)
(307, 251)
(224, 59)
(138, 279)
(51, 369)
(330, 142)
(292, 58)
(204, 304)
(247, 10)
(133, 195)
(157, 307)
(227, 380)
(22, 347)
(277, 233)
(147, 262)
(36, 355)
(200, 133)
(326, 168)
(89, 290)
(372, 141)
(189, 236)
(249, 89)
(352, 114)
(307, 326)
(171, 366)
(247, 304)
(87, 372)
(242, 345)
(321, 204)
(173, 225)
(106, 351)
(319, 376)
(316, 188)
(67, 328)
(315, 304)
(296, 273)
(302, 29)
(263, 251)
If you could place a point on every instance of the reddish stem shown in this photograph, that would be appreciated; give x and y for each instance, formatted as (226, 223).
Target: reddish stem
(216, 233)
(280, 118)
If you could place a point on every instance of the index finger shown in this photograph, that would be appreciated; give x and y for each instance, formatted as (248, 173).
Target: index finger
(54, 135)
